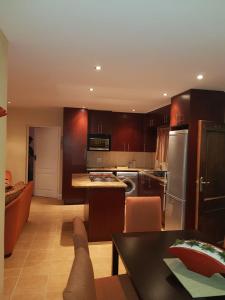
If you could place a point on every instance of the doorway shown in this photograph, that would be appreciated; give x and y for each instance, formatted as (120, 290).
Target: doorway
(43, 163)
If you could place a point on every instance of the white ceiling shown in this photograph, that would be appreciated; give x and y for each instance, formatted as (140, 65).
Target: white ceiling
(145, 47)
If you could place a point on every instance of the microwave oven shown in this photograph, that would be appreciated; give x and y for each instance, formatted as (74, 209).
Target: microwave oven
(99, 142)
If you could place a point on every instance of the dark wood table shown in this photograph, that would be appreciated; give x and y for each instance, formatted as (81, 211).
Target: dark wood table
(142, 255)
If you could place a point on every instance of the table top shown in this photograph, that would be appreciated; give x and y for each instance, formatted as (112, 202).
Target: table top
(142, 255)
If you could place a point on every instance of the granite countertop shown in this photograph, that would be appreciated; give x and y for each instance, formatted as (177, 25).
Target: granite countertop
(83, 181)
(115, 169)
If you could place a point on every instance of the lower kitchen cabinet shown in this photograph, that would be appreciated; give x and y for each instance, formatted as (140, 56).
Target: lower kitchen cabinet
(149, 186)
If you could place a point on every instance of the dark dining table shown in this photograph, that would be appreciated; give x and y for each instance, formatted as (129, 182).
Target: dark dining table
(142, 255)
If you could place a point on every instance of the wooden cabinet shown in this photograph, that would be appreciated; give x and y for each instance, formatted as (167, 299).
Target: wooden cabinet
(153, 120)
(100, 122)
(180, 110)
(104, 212)
(127, 134)
(74, 151)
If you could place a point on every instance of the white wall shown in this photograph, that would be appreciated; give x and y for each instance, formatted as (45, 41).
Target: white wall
(3, 103)
(19, 119)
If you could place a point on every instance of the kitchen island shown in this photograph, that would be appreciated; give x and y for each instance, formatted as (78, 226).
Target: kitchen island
(104, 204)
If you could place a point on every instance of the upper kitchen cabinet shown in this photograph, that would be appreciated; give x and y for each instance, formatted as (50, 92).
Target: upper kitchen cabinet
(180, 110)
(153, 120)
(127, 134)
(100, 122)
(75, 126)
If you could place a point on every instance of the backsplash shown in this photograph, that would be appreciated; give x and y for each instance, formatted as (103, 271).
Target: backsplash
(145, 160)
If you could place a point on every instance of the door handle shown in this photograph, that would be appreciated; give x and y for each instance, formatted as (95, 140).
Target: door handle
(202, 183)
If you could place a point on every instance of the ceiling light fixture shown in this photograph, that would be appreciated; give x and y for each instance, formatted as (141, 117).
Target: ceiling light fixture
(9, 102)
(133, 109)
(98, 68)
(200, 76)
(164, 94)
(91, 89)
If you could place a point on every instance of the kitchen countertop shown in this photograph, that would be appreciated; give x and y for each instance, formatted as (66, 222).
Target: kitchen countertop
(116, 169)
(83, 181)
(148, 172)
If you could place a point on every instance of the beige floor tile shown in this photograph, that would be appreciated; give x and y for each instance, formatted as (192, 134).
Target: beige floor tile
(32, 284)
(9, 284)
(38, 256)
(16, 260)
(12, 272)
(5, 297)
(29, 296)
(56, 283)
(55, 296)
(61, 267)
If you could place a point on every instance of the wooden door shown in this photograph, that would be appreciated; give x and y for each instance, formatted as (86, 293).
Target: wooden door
(210, 206)
(47, 165)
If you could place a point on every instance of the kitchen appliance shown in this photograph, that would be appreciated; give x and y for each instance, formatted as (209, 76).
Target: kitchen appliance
(103, 178)
(176, 180)
(99, 142)
(131, 180)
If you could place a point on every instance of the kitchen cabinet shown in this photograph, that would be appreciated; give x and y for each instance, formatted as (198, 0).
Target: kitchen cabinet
(75, 125)
(153, 120)
(127, 134)
(180, 110)
(104, 212)
(100, 122)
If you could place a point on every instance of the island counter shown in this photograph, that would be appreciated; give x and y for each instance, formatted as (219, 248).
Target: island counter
(104, 206)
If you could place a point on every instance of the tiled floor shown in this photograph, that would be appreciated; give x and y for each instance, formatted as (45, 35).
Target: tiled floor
(41, 261)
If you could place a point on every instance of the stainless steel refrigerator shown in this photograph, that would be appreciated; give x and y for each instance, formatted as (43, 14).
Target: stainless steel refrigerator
(176, 180)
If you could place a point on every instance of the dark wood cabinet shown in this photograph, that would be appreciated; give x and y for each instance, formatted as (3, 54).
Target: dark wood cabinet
(74, 151)
(104, 213)
(100, 122)
(180, 110)
(153, 120)
(127, 134)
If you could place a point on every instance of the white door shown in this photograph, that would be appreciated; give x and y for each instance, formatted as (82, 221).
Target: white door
(46, 169)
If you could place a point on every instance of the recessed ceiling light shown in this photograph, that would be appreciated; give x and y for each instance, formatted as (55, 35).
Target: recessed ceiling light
(9, 102)
(83, 107)
(200, 76)
(165, 94)
(91, 89)
(133, 109)
(98, 68)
